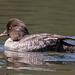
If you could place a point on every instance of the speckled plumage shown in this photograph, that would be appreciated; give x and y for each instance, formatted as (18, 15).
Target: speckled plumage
(36, 42)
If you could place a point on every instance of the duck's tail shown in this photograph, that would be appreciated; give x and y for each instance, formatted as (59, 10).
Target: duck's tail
(66, 47)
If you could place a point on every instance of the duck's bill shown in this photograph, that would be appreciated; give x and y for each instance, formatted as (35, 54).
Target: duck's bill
(4, 33)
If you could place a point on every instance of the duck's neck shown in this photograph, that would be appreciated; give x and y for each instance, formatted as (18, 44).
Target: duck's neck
(16, 36)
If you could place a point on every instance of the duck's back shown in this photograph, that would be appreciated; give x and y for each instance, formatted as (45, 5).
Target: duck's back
(36, 42)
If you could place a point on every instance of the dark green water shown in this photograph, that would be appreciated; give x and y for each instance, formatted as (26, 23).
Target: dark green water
(49, 16)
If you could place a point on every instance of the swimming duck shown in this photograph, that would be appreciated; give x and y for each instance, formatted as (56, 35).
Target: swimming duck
(21, 40)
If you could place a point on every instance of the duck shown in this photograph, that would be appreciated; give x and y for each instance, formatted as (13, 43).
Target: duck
(21, 40)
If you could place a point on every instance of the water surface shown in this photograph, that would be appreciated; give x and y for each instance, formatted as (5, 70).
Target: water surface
(49, 16)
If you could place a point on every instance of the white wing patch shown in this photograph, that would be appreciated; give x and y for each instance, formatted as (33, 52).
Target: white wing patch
(50, 38)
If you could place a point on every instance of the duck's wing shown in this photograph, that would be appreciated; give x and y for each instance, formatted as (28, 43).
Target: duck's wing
(48, 36)
(61, 37)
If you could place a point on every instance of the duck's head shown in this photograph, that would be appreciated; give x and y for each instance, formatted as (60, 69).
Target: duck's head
(15, 29)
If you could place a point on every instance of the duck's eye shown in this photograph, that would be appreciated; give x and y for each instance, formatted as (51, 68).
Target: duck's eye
(9, 27)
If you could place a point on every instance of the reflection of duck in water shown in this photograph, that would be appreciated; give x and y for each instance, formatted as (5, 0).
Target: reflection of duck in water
(26, 57)
(21, 40)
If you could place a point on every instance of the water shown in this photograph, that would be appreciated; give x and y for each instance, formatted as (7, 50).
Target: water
(49, 16)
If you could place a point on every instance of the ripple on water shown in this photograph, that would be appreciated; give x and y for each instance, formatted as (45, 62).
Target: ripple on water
(60, 56)
(71, 41)
(2, 48)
